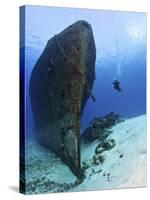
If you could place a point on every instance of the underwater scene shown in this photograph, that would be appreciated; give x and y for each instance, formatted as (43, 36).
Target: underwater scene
(83, 103)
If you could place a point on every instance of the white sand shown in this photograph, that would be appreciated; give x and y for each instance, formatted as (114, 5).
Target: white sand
(127, 171)
(42, 168)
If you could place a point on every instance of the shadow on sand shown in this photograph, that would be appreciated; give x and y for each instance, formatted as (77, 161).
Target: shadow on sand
(14, 188)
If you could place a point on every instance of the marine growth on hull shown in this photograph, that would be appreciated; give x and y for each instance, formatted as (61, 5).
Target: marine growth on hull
(60, 84)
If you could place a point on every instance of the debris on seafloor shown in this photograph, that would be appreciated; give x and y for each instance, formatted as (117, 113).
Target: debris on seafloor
(99, 128)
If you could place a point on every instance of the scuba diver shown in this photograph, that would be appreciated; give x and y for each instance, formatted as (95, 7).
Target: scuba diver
(116, 85)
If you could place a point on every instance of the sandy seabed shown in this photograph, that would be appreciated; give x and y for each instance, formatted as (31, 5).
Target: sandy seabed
(124, 165)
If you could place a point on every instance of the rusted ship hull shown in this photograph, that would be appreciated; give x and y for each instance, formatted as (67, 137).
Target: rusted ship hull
(60, 84)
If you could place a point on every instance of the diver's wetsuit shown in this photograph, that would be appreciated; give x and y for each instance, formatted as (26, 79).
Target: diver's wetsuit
(116, 85)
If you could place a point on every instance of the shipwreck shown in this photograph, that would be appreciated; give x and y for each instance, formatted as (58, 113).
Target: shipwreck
(60, 84)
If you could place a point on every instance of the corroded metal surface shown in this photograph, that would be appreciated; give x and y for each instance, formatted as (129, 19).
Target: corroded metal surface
(60, 84)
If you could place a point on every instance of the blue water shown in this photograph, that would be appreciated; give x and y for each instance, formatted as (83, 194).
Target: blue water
(120, 39)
